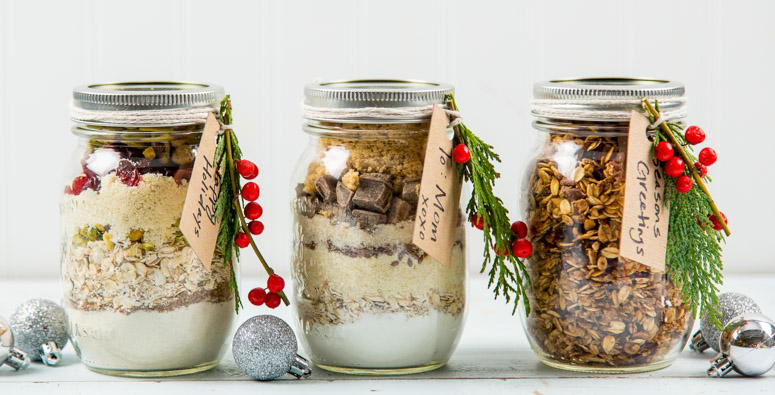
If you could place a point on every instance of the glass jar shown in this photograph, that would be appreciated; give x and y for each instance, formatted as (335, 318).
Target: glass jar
(592, 310)
(368, 301)
(138, 299)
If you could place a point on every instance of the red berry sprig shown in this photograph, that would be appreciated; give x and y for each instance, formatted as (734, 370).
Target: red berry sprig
(271, 295)
(274, 285)
(675, 167)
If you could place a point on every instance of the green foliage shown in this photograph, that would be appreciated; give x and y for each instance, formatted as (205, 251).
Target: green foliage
(507, 272)
(693, 247)
(226, 212)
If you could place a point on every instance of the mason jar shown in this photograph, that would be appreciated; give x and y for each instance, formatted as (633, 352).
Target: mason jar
(592, 310)
(369, 301)
(138, 299)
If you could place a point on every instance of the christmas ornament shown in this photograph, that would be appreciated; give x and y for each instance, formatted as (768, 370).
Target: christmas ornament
(234, 232)
(10, 355)
(508, 274)
(40, 327)
(693, 253)
(747, 346)
(731, 305)
(264, 347)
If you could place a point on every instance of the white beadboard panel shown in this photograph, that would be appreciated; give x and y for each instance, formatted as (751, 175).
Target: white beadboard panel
(264, 52)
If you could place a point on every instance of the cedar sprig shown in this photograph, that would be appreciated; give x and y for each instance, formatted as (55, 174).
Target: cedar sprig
(693, 250)
(507, 272)
(228, 205)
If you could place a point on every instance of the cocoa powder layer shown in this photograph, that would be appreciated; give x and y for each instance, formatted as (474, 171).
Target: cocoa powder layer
(217, 295)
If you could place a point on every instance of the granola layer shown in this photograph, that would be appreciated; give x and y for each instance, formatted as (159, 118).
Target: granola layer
(589, 305)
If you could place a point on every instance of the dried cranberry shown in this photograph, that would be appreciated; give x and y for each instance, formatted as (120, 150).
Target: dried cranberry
(78, 184)
(128, 174)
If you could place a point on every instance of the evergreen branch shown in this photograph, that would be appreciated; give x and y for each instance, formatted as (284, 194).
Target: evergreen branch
(693, 249)
(507, 272)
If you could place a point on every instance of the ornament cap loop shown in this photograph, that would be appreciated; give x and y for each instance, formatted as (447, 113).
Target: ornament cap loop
(698, 342)
(17, 359)
(300, 367)
(50, 354)
(720, 366)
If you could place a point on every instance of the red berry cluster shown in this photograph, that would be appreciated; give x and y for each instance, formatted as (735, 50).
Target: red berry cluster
(521, 247)
(675, 166)
(270, 294)
(250, 191)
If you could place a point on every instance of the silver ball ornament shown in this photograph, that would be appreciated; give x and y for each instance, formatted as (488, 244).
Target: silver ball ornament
(265, 346)
(730, 305)
(40, 327)
(747, 346)
(10, 355)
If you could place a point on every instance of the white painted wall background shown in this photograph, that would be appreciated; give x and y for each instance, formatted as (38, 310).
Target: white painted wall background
(264, 52)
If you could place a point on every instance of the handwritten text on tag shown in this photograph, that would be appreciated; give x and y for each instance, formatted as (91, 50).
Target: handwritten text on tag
(439, 199)
(645, 217)
(198, 222)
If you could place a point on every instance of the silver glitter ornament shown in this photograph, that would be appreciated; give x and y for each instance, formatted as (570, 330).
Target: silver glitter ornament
(40, 327)
(730, 305)
(747, 347)
(10, 355)
(265, 346)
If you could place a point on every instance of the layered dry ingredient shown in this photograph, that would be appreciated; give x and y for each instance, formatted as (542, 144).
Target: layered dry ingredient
(367, 297)
(591, 307)
(131, 281)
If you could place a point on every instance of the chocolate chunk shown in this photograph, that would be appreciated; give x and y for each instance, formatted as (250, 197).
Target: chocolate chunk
(399, 211)
(368, 219)
(573, 194)
(326, 186)
(300, 190)
(373, 196)
(384, 178)
(411, 190)
(344, 196)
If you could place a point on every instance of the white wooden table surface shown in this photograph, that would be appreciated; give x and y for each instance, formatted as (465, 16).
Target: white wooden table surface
(493, 357)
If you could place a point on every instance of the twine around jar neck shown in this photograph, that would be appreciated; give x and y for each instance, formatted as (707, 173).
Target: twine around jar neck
(422, 113)
(177, 116)
(603, 109)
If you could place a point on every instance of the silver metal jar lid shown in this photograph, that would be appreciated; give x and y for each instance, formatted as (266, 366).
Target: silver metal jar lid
(605, 98)
(138, 96)
(322, 101)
